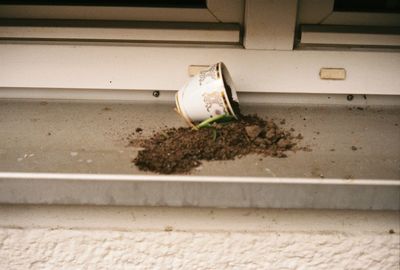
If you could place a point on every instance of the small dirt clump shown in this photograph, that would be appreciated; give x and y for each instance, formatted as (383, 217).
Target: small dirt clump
(179, 150)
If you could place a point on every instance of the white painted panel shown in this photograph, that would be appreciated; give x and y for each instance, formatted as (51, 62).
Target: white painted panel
(361, 39)
(125, 68)
(207, 34)
(269, 24)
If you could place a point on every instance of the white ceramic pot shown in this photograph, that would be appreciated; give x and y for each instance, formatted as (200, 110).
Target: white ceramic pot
(207, 94)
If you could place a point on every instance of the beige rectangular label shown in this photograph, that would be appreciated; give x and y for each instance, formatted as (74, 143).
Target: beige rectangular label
(332, 74)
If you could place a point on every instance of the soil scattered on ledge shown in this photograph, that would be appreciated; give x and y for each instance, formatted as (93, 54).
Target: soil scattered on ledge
(179, 150)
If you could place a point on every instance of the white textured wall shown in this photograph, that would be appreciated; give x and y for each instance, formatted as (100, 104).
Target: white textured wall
(81, 249)
(152, 238)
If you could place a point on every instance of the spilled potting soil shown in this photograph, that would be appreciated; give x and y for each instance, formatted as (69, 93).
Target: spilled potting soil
(179, 150)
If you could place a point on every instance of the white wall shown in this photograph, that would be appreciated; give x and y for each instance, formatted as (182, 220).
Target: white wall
(165, 68)
(74, 237)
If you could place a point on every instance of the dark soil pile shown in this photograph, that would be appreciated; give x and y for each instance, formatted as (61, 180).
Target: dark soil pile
(178, 150)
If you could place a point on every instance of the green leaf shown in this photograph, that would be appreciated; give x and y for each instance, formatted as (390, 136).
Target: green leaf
(214, 134)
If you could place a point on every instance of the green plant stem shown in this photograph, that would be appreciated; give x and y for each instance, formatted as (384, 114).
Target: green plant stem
(208, 121)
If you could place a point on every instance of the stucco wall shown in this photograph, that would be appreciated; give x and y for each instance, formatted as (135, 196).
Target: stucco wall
(55, 237)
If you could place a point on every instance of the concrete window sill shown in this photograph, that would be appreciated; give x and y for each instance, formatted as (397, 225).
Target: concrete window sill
(64, 152)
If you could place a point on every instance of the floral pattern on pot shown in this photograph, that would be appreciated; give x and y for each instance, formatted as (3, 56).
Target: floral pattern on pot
(214, 98)
(212, 73)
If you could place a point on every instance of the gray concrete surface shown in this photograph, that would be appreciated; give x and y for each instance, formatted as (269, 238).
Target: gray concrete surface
(92, 138)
